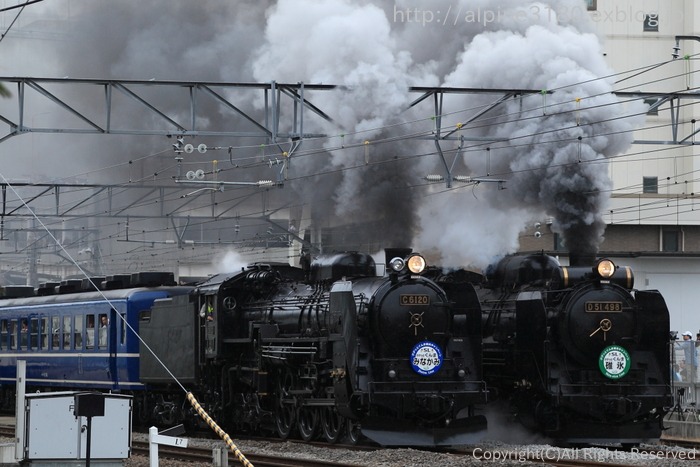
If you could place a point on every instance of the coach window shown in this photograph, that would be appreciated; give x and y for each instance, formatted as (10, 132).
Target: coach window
(66, 332)
(104, 321)
(45, 333)
(3, 334)
(55, 332)
(14, 329)
(90, 331)
(34, 333)
(23, 333)
(78, 332)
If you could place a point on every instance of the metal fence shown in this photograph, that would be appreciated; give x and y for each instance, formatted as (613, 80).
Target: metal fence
(685, 377)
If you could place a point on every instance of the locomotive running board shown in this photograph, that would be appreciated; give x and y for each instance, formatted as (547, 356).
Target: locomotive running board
(388, 432)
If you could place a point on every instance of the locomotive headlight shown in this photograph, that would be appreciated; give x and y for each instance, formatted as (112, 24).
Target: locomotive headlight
(605, 268)
(416, 264)
(397, 264)
(392, 374)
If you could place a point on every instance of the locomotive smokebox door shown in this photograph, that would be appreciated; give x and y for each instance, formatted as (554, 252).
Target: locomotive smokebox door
(89, 404)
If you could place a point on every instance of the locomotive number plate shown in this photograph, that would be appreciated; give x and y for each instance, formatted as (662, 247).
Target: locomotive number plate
(603, 306)
(414, 299)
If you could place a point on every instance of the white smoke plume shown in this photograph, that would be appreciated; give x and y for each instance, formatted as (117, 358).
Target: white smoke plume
(375, 51)
(230, 261)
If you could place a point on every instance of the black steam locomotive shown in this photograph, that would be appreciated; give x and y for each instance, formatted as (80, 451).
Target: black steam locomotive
(580, 355)
(329, 350)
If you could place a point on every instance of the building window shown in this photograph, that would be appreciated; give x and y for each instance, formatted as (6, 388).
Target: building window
(651, 22)
(650, 184)
(671, 239)
(592, 5)
(559, 244)
(651, 103)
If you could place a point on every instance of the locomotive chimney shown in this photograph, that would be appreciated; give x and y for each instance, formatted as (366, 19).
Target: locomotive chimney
(391, 253)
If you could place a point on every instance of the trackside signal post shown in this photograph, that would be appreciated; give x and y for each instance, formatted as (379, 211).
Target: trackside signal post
(89, 405)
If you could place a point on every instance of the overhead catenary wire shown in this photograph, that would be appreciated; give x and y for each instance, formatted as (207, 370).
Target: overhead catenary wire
(405, 136)
(401, 137)
(12, 23)
(20, 5)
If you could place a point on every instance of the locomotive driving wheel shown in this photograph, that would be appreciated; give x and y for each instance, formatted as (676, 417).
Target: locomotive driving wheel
(308, 422)
(354, 432)
(285, 414)
(332, 424)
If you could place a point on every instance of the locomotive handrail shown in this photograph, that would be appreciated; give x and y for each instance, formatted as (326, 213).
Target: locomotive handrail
(417, 386)
(299, 339)
(268, 351)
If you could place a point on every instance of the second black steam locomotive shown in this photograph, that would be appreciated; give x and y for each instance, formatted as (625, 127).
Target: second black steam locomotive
(580, 355)
(329, 350)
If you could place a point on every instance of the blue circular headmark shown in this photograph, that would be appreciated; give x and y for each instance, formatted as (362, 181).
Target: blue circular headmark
(426, 358)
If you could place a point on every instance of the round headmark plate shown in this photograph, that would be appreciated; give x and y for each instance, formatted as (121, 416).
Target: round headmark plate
(426, 358)
(614, 362)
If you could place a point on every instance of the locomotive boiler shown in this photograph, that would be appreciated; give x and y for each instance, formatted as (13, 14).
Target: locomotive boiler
(328, 351)
(581, 356)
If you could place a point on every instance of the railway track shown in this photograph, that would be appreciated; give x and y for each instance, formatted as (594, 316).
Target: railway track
(551, 457)
(682, 442)
(196, 454)
(204, 455)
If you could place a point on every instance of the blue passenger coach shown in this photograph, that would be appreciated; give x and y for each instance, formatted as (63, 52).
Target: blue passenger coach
(75, 340)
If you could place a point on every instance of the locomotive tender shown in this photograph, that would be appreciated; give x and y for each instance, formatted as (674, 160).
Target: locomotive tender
(329, 350)
(580, 355)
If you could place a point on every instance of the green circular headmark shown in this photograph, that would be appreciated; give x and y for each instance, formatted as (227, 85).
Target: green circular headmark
(614, 362)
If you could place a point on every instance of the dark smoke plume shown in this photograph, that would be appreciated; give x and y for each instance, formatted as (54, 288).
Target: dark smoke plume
(376, 51)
